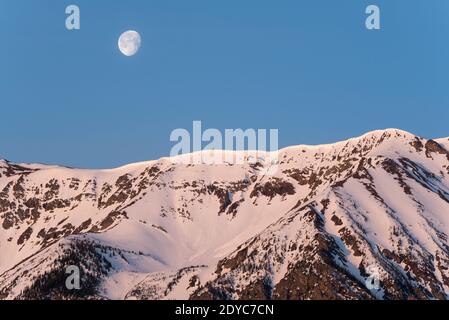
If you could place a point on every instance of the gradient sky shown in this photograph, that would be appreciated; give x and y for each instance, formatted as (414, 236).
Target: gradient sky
(308, 68)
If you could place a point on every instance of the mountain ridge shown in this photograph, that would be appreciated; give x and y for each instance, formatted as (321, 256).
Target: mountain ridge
(147, 162)
(315, 229)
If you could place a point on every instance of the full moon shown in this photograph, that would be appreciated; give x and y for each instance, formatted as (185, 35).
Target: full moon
(129, 43)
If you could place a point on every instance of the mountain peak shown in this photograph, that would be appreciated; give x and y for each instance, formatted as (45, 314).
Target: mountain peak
(384, 134)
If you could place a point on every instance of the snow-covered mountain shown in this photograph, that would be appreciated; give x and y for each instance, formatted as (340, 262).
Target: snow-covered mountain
(366, 218)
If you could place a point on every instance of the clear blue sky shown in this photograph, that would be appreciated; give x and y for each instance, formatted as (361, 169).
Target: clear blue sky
(308, 68)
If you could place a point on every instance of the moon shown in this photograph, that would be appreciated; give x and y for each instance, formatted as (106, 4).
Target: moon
(129, 42)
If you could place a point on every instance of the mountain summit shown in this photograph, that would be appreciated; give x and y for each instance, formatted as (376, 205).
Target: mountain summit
(366, 218)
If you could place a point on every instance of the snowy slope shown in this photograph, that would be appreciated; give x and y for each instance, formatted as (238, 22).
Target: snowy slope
(444, 142)
(328, 219)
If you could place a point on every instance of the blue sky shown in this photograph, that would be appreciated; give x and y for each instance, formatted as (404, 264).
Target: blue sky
(308, 68)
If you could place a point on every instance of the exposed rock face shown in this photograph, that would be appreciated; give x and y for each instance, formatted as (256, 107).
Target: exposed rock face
(366, 218)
